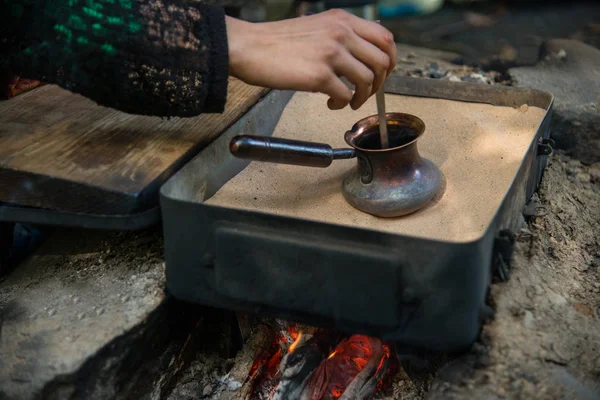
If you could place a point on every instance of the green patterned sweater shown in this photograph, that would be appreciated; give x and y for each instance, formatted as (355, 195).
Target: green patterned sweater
(150, 57)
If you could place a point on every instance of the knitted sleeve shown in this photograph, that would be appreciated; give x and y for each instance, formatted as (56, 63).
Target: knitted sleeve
(149, 57)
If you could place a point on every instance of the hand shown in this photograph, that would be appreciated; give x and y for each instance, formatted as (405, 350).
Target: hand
(312, 53)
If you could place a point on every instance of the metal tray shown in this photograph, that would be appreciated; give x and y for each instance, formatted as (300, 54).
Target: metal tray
(424, 294)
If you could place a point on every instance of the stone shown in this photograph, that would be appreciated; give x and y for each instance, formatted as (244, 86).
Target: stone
(232, 386)
(436, 64)
(207, 390)
(65, 333)
(557, 299)
(411, 58)
(539, 290)
(528, 320)
(583, 309)
(583, 177)
(570, 70)
(575, 388)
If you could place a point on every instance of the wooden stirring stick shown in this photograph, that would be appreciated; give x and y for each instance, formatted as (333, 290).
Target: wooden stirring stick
(383, 132)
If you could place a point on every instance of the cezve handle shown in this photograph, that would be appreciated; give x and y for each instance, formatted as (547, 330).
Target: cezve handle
(286, 151)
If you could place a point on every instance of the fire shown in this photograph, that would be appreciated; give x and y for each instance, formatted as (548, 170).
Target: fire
(295, 344)
(335, 373)
(386, 352)
(330, 378)
(337, 392)
(361, 363)
(292, 331)
(264, 372)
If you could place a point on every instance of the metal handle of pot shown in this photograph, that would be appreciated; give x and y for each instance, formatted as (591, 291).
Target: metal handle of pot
(287, 151)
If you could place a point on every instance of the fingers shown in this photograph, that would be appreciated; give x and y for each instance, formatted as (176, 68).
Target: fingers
(359, 74)
(375, 59)
(370, 44)
(340, 95)
(376, 34)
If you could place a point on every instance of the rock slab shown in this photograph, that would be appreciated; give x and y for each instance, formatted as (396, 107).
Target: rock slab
(571, 71)
(86, 317)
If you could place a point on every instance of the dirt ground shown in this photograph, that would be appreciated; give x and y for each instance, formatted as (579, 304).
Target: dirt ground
(544, 341)
(546, 334)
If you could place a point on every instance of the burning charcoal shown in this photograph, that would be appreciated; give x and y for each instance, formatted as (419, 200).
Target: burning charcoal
(334, 375)
(271, 365)
(265, 374)
(284, 329)
(365, 383)
(302, 359)
(357, 368)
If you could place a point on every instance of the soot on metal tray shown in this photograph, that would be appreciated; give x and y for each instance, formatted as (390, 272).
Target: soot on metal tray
(387, 182)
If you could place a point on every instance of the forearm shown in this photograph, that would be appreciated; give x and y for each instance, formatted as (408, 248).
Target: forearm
(153, 57)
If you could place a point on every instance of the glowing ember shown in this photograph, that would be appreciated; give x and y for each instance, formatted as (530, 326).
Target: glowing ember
(265, 374)
(332, 377)
(327, 378)
(292, 330)
(295, 344)
(264, 371)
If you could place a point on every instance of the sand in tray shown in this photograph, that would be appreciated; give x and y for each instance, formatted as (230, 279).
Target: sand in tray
(478, 148)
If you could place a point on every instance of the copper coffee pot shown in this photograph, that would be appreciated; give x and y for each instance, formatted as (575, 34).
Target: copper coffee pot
(388, 182)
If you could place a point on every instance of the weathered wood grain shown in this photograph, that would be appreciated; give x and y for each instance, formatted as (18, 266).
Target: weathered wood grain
(61, 151)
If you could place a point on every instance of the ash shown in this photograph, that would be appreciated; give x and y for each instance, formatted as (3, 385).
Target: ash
(459, 73)
(544, 341)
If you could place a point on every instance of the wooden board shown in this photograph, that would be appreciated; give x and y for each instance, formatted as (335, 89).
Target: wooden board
(63, 152)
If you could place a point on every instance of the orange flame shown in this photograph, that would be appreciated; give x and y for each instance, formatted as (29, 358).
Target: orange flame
(295, 344)
(331, 378)
(361, 363)
(292, 331)
(337, 392)
(386, 355)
